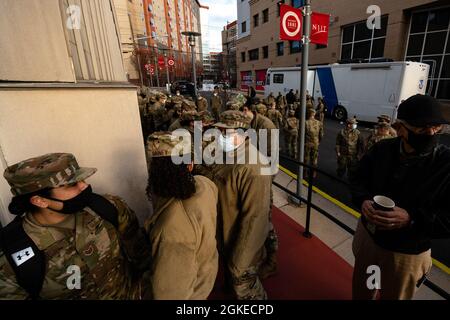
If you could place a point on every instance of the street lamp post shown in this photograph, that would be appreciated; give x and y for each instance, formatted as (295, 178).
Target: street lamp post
(191, 38)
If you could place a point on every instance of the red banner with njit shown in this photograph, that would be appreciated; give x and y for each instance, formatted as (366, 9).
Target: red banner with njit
(320, 23)
(260, 79)
(246, 79)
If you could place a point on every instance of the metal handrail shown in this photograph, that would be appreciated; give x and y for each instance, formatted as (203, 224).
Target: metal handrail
(307, 234)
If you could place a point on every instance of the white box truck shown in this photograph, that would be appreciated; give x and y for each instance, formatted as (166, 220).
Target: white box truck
(364, 90)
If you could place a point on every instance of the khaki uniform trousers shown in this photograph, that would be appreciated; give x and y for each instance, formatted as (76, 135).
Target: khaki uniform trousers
(400, 273)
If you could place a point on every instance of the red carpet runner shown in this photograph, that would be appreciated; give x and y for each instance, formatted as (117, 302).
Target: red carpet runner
(307, 268)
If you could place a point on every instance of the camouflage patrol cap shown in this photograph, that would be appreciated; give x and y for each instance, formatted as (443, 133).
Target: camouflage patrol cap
(233, 119)
(166, 144)
(384, 118)
(233, 105)
(291, 112)
(51, 170)
(206, 118)
(310, 112)
(161, 96)
(382, 125)
(261, 108)
(351, 121)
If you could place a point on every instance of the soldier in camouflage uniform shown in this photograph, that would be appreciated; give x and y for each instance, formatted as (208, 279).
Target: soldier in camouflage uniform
(275, 116)
(216, 104)
(270, 99)
(349, 146)
(381, 132)
(202, 103)
(291, 134)
(386, 119)
(261, 109)
(321, 109)
(281, 103)
(182, 229)
(243, 216)
(313, 136)
(51, 194)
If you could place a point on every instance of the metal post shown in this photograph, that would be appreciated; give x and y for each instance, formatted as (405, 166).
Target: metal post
(304, 79)
(306, 233)
(194, 80)
(156, 70)
(167, 68)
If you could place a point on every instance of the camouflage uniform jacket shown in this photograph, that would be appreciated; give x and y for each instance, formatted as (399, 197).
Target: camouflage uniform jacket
(313, 133)
(262, 122)
(111, 260)
(281, 102)
(349, 142)
(202, 104)
(276, 118)
(292, 126)
(374, 138)
(270, 99)
(216, 103)
(243, 215)
(183, 238)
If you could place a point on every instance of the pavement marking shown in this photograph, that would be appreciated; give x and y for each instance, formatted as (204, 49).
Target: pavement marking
(351, 211)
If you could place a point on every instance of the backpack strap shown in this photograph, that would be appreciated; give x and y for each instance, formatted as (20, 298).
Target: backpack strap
(27, 261)
(105, 209)
(25, 258)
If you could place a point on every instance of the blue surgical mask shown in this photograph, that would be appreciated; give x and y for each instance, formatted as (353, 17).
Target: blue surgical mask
(226, 143)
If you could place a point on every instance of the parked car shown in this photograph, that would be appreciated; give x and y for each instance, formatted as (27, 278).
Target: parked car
(185, 87)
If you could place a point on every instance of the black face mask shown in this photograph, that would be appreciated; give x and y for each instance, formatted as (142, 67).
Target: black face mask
(422, 143)
(75, 204)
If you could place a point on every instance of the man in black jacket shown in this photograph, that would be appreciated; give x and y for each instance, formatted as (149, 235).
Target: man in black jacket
(414, 171)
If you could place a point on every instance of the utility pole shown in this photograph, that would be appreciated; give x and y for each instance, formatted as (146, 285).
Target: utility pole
(156, 67)
(303, 86)
(167, 70)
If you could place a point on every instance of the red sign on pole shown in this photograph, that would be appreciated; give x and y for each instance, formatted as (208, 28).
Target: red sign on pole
(161, 61)
(170, 62)
(320, 23)
(290, 23)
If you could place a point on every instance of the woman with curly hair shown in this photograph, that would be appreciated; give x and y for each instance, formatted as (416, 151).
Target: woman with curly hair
(182, 229)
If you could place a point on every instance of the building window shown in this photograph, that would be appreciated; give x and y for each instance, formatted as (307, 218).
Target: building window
(255, 20)
(244, 27)
(280, 49)
(253, 55)
(297, 3)
(265, 15)
(429, 42)
(360, 42)
(278, 7)
(295, 46)
(243, 56)
(278, 78)
(265, 52)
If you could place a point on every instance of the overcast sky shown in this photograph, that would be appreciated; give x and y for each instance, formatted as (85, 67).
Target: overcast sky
(220, 12)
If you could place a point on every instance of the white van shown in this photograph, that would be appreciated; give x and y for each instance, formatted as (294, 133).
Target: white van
(364, 90)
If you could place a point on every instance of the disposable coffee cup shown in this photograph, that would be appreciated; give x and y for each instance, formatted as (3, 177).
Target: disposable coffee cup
(383, 203)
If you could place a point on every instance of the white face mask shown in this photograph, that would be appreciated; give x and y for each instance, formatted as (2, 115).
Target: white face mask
(215, 94)
(178, 93)
(226, 143)
(354, 126)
